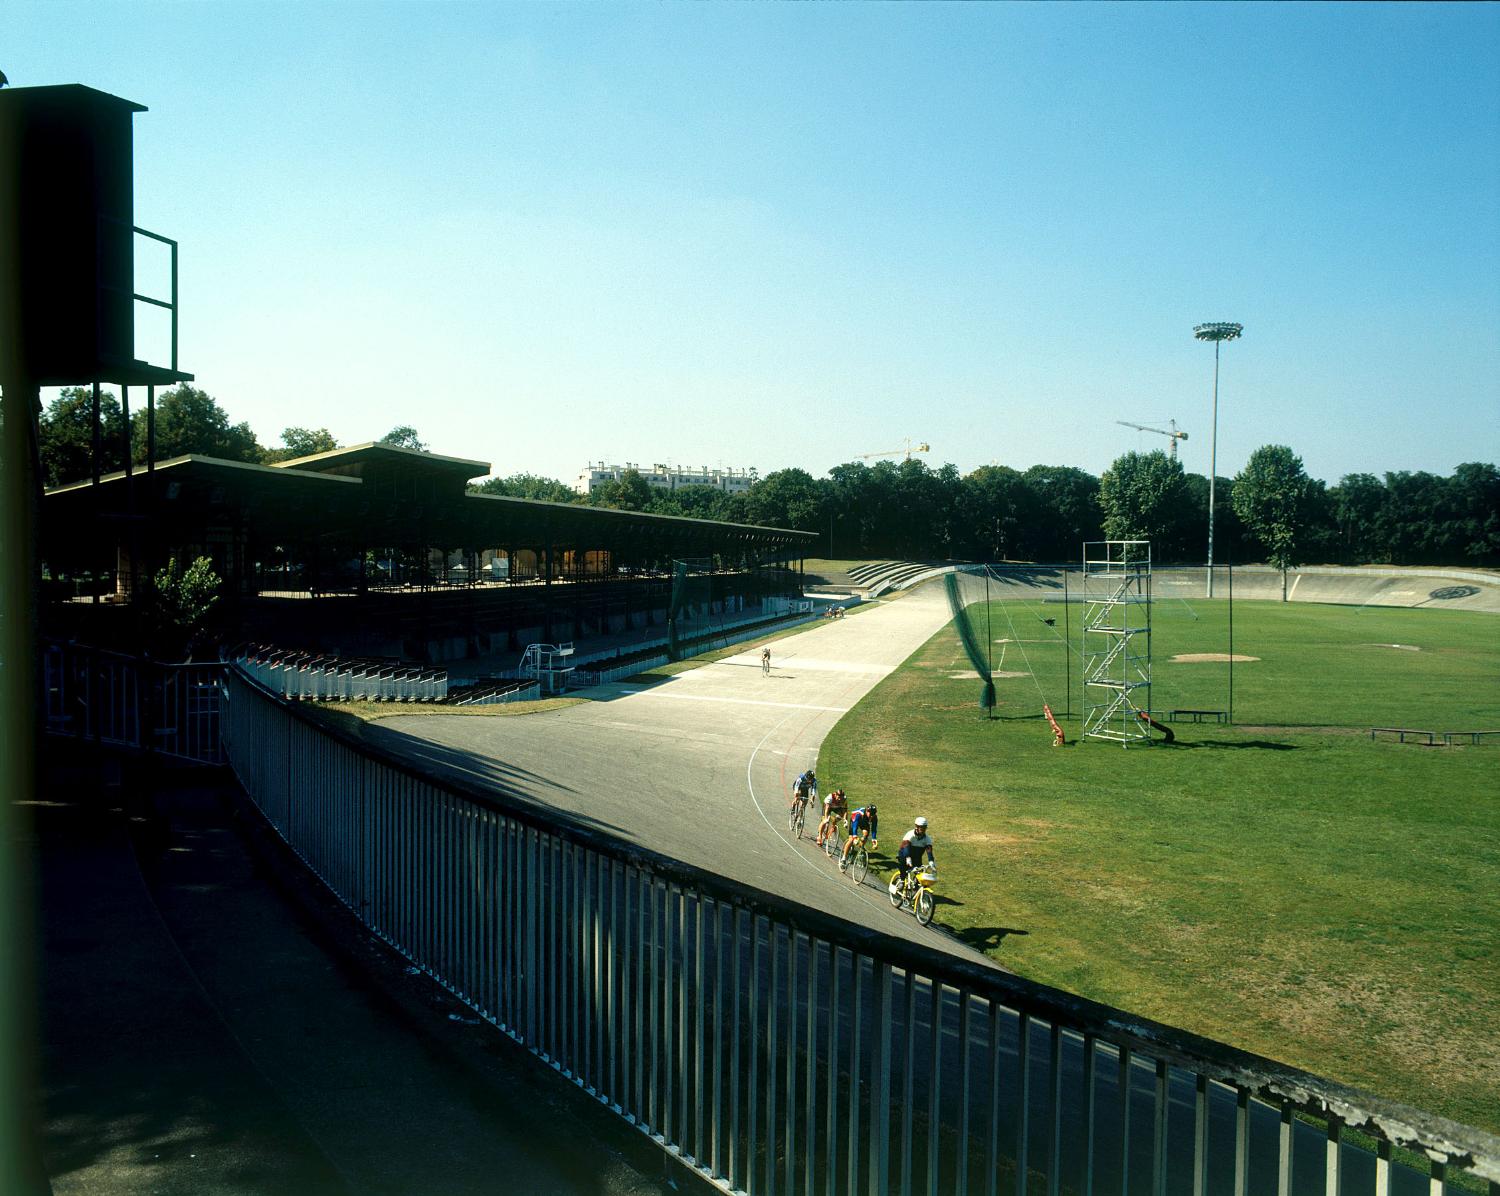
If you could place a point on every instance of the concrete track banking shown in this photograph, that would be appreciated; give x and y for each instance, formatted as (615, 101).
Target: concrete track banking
(699, 766)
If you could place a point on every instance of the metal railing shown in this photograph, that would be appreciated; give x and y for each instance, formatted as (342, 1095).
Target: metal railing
(113, 225)
(122, 701)
(776, 1049)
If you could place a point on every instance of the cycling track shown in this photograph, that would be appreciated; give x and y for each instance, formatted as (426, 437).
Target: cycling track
(699, 765)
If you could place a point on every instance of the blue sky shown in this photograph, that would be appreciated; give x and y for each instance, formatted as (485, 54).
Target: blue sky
(790, 234)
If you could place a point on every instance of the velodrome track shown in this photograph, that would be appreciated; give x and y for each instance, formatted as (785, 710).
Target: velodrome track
(699, 766)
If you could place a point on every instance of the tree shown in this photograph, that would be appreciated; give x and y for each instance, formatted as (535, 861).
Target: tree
(404, 436)
(1272, 495)
(925, 501)
(527, 485)
(853, 495)
(178, 605)
(629, 492)
(66, 436)
(699, 502)
(1476, 495)
(787, 498)
(1143, 497)
(301, 442)
(999, 513)
(1067, 506)
(1233, 541)
(1357, 502)
(189, 420)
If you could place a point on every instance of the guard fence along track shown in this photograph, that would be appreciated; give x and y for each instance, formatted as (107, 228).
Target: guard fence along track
(118, 701)
(777, 1050)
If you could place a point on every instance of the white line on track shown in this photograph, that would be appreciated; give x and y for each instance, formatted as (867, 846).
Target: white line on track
(740, 701)
(749, 781)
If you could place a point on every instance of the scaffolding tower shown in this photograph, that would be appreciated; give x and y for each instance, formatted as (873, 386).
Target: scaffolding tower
(1117, 640)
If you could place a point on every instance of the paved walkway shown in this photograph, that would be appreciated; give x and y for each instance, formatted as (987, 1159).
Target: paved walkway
(699, 766)
(199, 1036)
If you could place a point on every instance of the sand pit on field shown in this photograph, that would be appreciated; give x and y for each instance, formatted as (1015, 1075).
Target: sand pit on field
(1211, 658)
(998, 674)
(1398, 647)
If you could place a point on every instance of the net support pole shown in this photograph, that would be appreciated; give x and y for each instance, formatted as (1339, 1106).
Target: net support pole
(1067, 645)
(1231, 643)
(989, 636)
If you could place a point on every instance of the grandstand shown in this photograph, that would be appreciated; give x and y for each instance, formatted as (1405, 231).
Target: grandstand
(379, 551)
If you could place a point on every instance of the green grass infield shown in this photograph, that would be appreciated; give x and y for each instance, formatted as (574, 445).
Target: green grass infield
(1283, 884)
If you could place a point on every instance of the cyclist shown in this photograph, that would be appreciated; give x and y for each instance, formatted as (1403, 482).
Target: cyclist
(862, 827)
(834, 806)
(805, 787)
(915, 845)
(765, 661)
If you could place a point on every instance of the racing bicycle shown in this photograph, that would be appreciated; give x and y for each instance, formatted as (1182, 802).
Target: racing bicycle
(797, 815)
(916, 893)
(834, 836)
(855, 859)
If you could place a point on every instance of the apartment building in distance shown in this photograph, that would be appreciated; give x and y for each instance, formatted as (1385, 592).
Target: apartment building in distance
(667, 477)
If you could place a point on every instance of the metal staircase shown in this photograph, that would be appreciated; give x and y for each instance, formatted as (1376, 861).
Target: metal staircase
(1117, 640)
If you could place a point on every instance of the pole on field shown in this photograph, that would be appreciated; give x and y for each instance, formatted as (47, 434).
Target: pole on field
(1231, 641)
(990, 636)
(1067, 641)
(1218, 333)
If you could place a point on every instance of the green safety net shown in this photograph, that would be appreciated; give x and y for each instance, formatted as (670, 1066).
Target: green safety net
(699, 605)
(683, 596)
(969, 636)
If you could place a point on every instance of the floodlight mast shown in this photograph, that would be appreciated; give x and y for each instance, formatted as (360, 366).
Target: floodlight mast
(1218, 333)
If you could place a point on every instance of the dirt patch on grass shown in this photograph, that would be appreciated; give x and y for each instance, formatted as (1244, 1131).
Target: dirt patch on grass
(1398, 647)
(1211, 658)
(1126, 900)
(989, 839)
(999, 674)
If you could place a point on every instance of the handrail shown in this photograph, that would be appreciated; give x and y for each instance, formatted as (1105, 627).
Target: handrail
(1448, 1143)
(170, 305)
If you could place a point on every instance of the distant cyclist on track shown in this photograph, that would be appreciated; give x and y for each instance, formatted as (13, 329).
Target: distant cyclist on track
(765, 662)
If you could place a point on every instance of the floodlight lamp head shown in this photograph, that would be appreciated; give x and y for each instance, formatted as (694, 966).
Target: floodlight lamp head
(1218, 331)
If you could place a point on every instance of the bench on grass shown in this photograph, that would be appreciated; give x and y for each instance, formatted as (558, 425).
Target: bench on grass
(1197, 716)
(1431, 738)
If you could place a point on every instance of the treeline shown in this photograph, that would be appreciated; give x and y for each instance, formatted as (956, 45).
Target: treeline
(1270, 512)
(188, 420)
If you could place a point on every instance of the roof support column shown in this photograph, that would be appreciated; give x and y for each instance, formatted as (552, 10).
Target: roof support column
(547, 589)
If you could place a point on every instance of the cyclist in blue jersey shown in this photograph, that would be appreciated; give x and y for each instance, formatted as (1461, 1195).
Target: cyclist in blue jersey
(863, 824)
(805, 788)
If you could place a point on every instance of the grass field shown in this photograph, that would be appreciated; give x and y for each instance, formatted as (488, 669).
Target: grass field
(1285, 884)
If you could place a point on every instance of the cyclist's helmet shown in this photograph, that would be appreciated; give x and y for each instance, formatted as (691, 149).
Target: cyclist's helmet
(871, 807)
(921, 824)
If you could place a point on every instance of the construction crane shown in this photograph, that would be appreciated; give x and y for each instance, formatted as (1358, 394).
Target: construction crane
(919, 447)
(1174, 433)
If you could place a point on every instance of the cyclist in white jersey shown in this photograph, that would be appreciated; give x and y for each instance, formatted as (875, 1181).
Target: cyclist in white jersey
(916, 848)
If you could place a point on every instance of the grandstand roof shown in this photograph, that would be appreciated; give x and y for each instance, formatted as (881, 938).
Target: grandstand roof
(374, 495)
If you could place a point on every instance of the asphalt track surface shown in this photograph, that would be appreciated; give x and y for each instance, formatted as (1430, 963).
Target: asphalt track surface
(700, 766)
